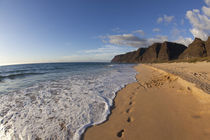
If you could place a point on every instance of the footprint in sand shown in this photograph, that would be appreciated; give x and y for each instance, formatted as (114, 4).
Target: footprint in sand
(188, 88)
(196, 116)
(129, 119)
(134, 93)
(128, 110)
(120, 133)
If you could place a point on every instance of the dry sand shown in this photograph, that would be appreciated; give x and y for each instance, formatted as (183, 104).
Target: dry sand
(159, 106)
(197, 73)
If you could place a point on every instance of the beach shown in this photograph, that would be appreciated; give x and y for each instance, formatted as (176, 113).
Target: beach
(168, 101)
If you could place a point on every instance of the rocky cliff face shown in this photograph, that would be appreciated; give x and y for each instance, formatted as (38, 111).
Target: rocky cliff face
(151, 54)
(166, 51)
(131, 57)
(195, 49)
(207, 44)
(155, 52)
(170, 51)
(163, 52)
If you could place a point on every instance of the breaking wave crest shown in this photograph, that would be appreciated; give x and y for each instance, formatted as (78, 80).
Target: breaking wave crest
(19, 75)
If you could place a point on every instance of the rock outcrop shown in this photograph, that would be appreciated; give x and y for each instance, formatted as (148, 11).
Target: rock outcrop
(131, 57)
(207, 45)
(195, 49)
(151, 54)
(166, 51)
(154, 53)
(170, 51)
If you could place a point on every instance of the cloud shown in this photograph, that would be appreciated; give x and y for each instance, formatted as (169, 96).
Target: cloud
(134, 41)
(103, 38)
(104, 49)
(127, 40)
(206, 10)
(156, 39)
(117, 30)
(159, 20)
(185, 41)
(86, 58)
(175, 32)
(101, 54)
(168, 18)
(156, 30)
(207, 2)
(141, 32)
(200, 21)
(165, 19)
(199, 33)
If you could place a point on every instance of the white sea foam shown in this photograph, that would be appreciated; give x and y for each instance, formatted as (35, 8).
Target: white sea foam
(61, 109)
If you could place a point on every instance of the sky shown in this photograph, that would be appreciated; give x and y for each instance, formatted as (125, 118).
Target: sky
(36, 31)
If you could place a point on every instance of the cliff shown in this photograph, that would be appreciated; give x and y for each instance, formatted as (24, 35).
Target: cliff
(151, 53)
(131, 57)
(166, 51)
(155, 52)
(170, 51)
(195, 49)
(207, 45)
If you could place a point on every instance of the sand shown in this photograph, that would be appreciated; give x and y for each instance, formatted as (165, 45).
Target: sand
(160, 106)
(197, 73)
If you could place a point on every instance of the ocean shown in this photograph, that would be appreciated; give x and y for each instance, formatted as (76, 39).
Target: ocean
(57, 100)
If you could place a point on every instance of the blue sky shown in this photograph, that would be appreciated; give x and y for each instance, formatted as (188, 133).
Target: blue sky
(34, 31)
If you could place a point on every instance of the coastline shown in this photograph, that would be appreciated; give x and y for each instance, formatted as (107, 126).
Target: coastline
(132, 115)
(67, 99)
(112, 107)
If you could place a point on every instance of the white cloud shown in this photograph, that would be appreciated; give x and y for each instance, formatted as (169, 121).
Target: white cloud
(207, 2)
(206, 10)
(156, 39)
(86, 58)
(175, 32)
(104, 53)
(185, 41)
(103, 38)
(127, 40)
(165, 18)
(134, 41)
(168, 18)
(141, 32)
(200, 21)
(159, 20)
(199, 33)
(104, 49)
(156, 30)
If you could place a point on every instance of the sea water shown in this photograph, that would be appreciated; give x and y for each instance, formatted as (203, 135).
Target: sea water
(57, 100)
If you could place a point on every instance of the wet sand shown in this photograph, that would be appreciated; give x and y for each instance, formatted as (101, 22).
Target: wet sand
(159, 106)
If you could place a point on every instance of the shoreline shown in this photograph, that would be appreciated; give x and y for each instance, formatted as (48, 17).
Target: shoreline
(64, 107)
(111, 124)
(112, 107)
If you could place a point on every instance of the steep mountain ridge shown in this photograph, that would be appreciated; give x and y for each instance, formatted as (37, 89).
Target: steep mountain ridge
(165, 51)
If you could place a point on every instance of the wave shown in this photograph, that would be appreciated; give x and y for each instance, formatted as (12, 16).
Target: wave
(62, 108)
(13, 71)
(19, 75)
